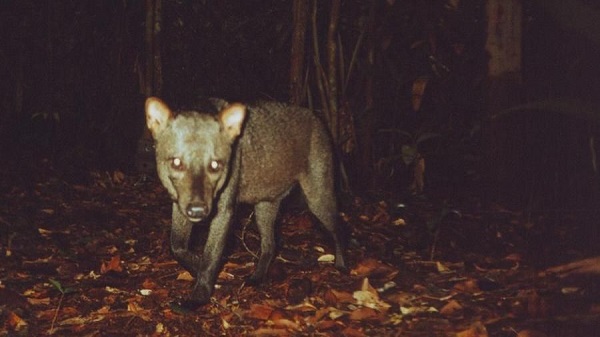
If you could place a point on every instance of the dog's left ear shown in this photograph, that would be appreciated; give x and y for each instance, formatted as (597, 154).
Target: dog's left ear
(232, 119)
(157, 115)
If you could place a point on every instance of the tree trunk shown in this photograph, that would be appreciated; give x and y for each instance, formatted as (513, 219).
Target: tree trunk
(332, 81)
(149, 42)
(503, 45)
(156, 48)
(319, 72)
(300, 16)
(152, 80)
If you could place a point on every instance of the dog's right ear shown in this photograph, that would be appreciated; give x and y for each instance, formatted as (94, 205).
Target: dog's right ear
(157, 115)
(232, 119)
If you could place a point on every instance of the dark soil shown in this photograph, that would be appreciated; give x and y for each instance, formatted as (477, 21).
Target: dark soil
(87, 254)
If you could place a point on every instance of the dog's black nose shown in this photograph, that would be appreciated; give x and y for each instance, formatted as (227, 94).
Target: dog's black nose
(196, 211)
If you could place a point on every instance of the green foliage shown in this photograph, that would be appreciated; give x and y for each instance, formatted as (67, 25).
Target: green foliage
(60, 287)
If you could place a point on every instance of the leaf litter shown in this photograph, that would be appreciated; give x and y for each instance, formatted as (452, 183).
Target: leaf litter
(93, 259)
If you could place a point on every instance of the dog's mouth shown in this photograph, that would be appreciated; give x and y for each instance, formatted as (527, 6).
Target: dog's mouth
(195, 212)
(195, 219)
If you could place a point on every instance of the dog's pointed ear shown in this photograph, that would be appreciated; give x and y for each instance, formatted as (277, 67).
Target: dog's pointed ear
(157, 115)
(232, 119)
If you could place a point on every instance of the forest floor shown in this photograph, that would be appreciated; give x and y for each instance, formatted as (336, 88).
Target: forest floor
(87, 254)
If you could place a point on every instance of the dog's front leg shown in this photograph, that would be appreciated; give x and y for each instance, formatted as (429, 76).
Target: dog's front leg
(181, 230)
(211, 258)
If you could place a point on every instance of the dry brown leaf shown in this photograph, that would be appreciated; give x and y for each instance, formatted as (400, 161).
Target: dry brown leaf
(363, 313)
(277, 315)
(418, 92)
(286, 323)
(259, 311)
(103, 311)
(327, 325)
(69, 311)
(467, 286)
(78, 320)
(138, 311)
(452, 308)
(114, 264)
(118, 177)
(333, 297)
(516, 257)
(45, 315)
(369, 297)
(441, 268)
(302, 307)
(326, 258)
(531, 333)
(270, 332)
(477, 329)
(374, 269)
(225, 276)
(15, 322)
(185, 276)
(351, 332)
(38, 301)
(148, 284)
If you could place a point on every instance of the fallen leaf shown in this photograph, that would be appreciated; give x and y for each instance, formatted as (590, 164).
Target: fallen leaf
(514, 257)
(374, 269)
(441, 268)
(160, 329)
(326, 258)
(286, 323)
(114, 264)
(148, 284)
(452, 308)
(302, 307)
(77, 320)
(468, 286)
(416, 310)
(351, 332)
(399, 222)
(362, 314)
(138, 311)
(185, 276)
(335, 313)
(418, 91)
(531, 333)
(15, 322)
(259, 311)
(334, 297)
(145, 292)
(270, 332)
(477, 329)
(327, 325)
(118, 177)
(367, 296)
(38, 301)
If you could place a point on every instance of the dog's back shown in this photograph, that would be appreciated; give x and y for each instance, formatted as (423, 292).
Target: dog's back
(278, 147)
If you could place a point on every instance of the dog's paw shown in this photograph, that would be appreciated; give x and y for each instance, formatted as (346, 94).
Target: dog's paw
(255, 280)
(341, 267)
(185, 306)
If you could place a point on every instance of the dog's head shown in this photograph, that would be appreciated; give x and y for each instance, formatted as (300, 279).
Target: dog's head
(193, 152)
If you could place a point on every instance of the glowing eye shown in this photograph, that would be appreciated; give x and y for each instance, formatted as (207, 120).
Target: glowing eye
(215, 165)
(176, 163)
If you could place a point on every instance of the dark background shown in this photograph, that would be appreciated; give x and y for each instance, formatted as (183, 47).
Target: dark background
(71, 85)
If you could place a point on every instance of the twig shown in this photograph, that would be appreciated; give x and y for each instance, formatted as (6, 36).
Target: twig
(62, 295)
(243, 236)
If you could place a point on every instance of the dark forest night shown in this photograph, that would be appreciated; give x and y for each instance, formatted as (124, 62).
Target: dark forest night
(464, 136)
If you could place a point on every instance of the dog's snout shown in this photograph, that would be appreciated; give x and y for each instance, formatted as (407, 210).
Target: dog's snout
(196, 211)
